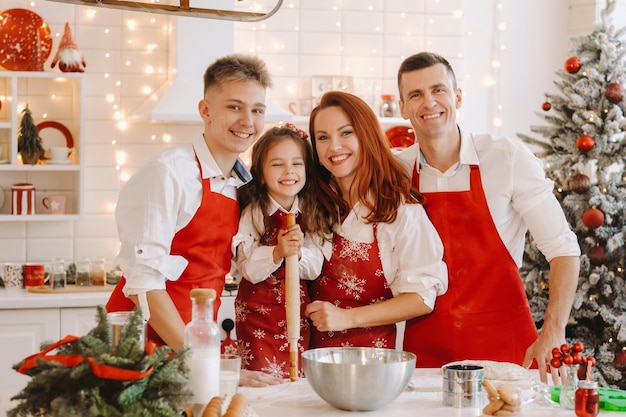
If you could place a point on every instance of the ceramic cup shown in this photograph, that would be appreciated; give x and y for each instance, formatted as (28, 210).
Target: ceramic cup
(12, 276)
(34, 275)
(301, 107)
(54, 204)
(59, 153)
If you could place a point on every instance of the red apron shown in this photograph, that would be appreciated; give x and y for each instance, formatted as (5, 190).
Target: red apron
(484, 315)
(353, 277)
(261, 317)
(205, 244)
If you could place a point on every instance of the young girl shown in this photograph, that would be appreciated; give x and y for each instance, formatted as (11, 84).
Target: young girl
(281, 160)
(386, 264)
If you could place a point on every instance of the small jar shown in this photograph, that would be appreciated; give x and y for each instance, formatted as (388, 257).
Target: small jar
(98, 271)
(587, 399)
(83, 272)
(388, 106)
(58, 276)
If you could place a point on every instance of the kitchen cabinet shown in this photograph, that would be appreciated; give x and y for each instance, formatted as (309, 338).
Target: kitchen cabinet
(56, 101)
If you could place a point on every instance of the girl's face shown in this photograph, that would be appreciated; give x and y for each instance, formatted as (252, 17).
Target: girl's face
(284, 173)
(337, 145)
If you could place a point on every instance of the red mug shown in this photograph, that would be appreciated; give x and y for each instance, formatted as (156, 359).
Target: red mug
(34, 275)
(23, 199)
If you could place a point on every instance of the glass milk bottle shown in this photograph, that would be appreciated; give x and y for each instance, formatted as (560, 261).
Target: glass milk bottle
(202, 338)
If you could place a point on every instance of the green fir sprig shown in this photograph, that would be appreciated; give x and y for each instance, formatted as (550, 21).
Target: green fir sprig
(56, 390)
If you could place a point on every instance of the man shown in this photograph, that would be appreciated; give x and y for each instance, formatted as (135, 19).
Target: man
(177, 215)
(482, 194)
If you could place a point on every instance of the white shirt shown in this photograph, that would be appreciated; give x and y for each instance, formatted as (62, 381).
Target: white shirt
(158, 201)
(518, 193)
(255, 262)
(410, 250)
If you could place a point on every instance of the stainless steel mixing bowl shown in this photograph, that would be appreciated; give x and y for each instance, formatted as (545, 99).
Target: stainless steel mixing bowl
(358, 379)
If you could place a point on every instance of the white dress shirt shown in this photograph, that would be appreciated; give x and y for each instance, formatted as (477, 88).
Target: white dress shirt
(255, 262)
(519, 196)
(410, 250)
(158, 201)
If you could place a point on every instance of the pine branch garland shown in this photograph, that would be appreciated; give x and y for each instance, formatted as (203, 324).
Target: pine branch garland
(56, 390)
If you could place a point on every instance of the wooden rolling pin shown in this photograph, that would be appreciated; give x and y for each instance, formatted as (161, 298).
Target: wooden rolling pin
(292, 305)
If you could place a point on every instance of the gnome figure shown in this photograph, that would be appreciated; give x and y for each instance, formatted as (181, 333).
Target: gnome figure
(68, 56)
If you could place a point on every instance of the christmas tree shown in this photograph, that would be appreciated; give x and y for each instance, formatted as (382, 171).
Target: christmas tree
(585, 155)
(28, 140)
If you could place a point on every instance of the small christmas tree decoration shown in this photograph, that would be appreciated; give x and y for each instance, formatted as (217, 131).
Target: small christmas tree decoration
(585, 143)
(28, 140)
(572, 65)
(598, 256)
(614, 92)
(593, 218)
(68, 56)
(546, 106)
(580, 183)
(87, 377)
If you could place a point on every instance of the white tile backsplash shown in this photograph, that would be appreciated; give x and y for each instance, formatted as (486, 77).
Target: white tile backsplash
(365, 39)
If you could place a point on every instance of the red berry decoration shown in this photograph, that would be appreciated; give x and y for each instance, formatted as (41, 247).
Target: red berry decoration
(555, 363)
(572, 65)
(580, 183)
(546, 106)
(593, 218)
(614, 92)
(585, 143)
(564, 348)
(578, 347)
(598, 256)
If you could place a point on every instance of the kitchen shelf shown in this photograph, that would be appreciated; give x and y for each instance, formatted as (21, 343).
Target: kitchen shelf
(52, 97)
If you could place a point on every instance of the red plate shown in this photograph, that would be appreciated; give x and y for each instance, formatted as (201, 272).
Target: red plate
(25, 40)
(55, 139)
(400, 136)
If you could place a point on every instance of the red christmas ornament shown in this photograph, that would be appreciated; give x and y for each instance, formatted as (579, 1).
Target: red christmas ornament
(598, 256)
(546, 106)
(572, 65)
(620, 360)
(614, 92)
(593, 218)
(585, 143)
(580, 183)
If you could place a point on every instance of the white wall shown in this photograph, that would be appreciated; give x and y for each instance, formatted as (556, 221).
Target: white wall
(374, 37)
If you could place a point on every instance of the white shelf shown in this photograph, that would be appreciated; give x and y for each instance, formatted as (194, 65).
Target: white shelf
(51, 97)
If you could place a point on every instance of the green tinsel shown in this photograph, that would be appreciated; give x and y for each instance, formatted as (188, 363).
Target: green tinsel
(56, 390)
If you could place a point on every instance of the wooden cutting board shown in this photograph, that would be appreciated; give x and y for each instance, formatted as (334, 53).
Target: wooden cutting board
(71, 289)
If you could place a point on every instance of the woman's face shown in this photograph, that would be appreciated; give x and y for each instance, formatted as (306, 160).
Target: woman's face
(336, 144)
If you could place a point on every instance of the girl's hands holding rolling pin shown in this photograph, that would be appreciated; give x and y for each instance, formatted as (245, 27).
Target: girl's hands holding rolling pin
(290, 243)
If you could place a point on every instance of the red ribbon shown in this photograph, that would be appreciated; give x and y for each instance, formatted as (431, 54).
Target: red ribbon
(100, 370)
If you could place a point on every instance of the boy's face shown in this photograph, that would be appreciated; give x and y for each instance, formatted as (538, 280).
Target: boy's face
(234, 117)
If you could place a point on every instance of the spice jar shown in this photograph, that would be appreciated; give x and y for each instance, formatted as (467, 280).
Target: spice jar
(388, 107)
(83, 272)
(587, 399)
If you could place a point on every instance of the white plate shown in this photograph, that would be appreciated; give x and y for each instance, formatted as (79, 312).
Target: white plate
(4, 161)
(51, 162)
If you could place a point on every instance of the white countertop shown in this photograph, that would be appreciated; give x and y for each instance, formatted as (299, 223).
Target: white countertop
(423, 398)
(20, 299)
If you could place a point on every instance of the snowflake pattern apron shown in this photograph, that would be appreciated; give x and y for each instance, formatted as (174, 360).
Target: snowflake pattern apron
(353, 277)
(205, 243)
(485, 313)
(261, 318)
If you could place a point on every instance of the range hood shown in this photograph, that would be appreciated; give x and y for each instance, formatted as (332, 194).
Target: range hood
(195, 43)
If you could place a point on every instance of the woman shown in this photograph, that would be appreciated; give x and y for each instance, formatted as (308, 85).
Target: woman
(385, 264)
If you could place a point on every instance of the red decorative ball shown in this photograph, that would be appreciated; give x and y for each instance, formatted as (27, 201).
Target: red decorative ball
(580, 183)
(546, 106)
(620, 360)
(614, 92)
(593, 218)
(585, 143)
(598, 256)
(572, 65)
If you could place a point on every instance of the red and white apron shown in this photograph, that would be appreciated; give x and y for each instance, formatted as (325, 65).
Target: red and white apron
(485, 313)
(261, 317)
(353, 277)
(205, 244)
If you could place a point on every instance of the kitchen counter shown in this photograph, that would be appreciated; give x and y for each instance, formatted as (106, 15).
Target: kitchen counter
(22, 299)
(422, 398)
